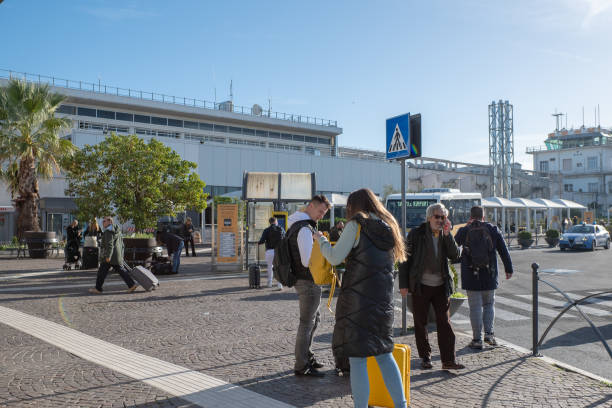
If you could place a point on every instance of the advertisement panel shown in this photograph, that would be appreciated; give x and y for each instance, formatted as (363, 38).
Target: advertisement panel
(227, 233)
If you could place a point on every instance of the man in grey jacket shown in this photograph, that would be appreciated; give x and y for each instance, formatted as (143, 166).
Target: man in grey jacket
(111, 255)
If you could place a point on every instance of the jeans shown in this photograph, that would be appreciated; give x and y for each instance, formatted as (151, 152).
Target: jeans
(176, 257)
(360, 386)
(482, 311)
(436, 296)
(103, 272)
(309, 296)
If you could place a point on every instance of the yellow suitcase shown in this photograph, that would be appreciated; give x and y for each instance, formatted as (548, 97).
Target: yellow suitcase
(379, 396)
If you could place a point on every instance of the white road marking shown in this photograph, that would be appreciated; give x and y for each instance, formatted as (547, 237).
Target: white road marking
(193, 386)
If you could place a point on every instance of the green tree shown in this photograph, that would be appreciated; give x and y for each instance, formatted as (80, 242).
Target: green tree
(134, 180)
(30, 145)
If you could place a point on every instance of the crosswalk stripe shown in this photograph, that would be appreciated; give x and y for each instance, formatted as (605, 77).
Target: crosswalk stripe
(598, 301)
(561, 304)
(524, 306)
(501, 314)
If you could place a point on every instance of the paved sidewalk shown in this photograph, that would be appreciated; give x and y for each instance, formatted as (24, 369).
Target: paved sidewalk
(215, 326)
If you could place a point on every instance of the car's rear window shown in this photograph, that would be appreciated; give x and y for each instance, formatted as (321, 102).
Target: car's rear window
(582, 229)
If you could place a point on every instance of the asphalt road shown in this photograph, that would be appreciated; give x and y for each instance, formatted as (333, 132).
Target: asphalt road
(571, 339)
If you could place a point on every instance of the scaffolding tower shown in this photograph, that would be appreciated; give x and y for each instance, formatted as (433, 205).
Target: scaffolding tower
(501, 147)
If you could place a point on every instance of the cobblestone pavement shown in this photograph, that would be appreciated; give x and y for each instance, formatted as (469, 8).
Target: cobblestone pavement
(221, 328)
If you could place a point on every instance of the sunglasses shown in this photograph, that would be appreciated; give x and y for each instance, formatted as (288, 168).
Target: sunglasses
(439, 217)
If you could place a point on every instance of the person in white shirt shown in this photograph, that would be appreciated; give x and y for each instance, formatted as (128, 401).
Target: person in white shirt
(309, 294)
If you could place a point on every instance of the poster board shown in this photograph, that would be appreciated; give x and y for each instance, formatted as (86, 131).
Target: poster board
(588, 217)
(227, 233)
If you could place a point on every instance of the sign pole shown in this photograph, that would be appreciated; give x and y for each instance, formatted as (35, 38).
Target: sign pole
(403, 181)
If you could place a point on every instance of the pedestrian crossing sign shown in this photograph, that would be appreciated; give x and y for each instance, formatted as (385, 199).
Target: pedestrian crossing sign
(399, 144)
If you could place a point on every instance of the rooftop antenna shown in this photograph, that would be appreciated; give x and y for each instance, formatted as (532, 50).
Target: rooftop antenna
(583, 116)
(565, 120)
(231, 90)
(558, 117)
(599, 116)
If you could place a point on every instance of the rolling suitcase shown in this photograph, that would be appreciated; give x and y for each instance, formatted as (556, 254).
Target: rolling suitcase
(379, 396)
(144, 277)
(254, 276)
(90, 258)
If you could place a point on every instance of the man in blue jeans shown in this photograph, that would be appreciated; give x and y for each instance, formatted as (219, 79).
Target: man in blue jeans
(479, 277)
(174, 244)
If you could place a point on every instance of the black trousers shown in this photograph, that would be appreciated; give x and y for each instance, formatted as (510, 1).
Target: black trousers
(121, 270)
(435, 296)
(187, 241)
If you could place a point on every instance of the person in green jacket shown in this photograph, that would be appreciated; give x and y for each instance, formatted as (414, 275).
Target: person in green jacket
(111, 255)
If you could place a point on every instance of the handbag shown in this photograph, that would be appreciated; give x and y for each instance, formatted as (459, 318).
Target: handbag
(90, 242)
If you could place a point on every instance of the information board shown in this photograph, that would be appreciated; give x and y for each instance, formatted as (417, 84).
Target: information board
(227, 233)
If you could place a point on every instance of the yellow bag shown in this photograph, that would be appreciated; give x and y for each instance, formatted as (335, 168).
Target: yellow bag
(379, 396)
(320, 268)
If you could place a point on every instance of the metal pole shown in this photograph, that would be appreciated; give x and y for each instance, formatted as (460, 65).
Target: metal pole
(534, 317)
(213, 258)
(403, 180)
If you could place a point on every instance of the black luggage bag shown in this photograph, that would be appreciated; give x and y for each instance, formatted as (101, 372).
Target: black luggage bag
(90, 258)
(254, 276)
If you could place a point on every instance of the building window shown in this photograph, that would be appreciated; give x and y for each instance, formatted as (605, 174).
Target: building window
(324, 140)
(568, 187)
(311, 139)
(106, 114)
(609, 186)
(86, 112)
(67, 109)
(221, 128)
(236, 130)
(190, 125)
(286, 136)
(298, 138)
(567, 164)
(142, 119)
(128, 117)
(544, 166)
(593, 187)
(175, 122)
(248, 132)
(156, 120)
(206, 126)
(261, 133)
(592, 163)
(274, 135)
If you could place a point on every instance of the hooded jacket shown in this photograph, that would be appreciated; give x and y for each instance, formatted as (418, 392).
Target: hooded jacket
(364, 312)
(112, 246)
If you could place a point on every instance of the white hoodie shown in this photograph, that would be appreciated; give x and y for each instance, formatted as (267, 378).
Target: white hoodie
(304, 238)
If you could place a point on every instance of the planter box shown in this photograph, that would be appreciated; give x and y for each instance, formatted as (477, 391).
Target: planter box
(552, 242)
(455, 304)
(40, 243)
(525, 243)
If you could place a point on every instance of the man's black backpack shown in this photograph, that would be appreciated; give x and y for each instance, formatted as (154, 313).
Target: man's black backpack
(275, 234)
(478, 245)
(283, 272)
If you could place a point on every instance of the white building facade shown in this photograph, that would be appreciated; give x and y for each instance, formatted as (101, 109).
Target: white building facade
(579, 162)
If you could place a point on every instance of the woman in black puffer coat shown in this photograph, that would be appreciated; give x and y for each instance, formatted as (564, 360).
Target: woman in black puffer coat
(371, 243)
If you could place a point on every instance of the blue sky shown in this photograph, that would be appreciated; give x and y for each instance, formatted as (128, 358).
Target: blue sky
(357, 62)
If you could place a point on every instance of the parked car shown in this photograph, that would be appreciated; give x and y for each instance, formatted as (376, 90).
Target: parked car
(585, 236)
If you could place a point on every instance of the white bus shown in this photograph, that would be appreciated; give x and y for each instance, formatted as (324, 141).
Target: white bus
(457, 203)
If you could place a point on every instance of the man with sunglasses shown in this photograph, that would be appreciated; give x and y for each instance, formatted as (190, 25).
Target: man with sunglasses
(426, 275)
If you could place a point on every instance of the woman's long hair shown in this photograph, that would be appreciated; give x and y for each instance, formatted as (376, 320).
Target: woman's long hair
(94, 226)
(364, 201)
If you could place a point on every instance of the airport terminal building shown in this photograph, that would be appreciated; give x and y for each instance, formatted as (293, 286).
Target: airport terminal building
(225, 140)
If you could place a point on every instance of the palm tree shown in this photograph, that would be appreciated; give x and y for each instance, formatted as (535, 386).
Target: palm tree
(30, 145)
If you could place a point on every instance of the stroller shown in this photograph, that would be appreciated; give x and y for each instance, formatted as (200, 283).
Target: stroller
(72, 256)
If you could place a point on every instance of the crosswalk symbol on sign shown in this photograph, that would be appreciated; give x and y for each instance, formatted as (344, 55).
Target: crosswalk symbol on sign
(397, 142)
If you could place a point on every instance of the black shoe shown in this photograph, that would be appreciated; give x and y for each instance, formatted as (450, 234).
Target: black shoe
(426, 364)
(314, 363)
(309, 372)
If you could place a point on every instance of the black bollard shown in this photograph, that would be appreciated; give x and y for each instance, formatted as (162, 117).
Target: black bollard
(534, 317)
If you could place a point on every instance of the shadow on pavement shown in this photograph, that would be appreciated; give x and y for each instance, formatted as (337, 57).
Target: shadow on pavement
(272, 296)
(579, 336)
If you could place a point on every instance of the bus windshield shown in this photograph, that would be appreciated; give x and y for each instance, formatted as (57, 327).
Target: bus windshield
(415, 210)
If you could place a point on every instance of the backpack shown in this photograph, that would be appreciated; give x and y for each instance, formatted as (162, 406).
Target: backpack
(478, 245)
(283, 271)
(275, 234)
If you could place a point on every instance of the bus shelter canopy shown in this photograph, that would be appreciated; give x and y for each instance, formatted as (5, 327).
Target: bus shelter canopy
(569, 204)
(548, 203)
(534, 205)
(503, 202)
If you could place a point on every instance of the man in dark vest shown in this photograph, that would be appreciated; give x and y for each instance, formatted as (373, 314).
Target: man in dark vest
(271, 236)
(309, 294)
(480, 282)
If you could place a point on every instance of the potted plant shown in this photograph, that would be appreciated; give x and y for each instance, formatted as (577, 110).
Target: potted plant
(524, 239)
(456, 299)
(552, 237)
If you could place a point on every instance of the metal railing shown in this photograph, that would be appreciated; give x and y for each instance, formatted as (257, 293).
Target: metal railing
(159, 97)
(571, 303)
